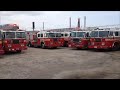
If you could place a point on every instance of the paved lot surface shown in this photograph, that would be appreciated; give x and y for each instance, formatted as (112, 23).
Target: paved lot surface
(37, 63)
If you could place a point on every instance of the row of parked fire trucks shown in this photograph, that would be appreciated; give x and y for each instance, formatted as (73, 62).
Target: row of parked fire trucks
(12, 39)
(107, 38)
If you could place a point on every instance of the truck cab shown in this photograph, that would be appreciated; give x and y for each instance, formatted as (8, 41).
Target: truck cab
(14, 41)
(105, 39)
(79, 39)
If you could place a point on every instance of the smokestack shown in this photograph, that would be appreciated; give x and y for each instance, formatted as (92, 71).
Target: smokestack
(70, 22)
(33, 25)
(43, 25)
(84, 22)
(78, 22)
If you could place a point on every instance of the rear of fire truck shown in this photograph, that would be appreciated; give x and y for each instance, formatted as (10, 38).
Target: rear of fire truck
(1, 44)
(105, 39)
(79, 39)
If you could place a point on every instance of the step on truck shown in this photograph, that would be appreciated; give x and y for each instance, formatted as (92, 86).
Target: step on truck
(79, 39)
(107, 38)
(44, 39)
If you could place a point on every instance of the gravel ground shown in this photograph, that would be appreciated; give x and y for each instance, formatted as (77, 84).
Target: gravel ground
(37, 63)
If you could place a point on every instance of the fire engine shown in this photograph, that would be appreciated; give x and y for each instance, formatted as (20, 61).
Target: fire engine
(1, 44)
(13, 39)
(44, 39)
(107, 38)
(79, 39)
(66, 37)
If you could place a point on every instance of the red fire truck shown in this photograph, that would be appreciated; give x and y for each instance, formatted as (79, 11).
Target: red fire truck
(79, 39)
(108, 38)
(1, 44)
(66, 37)
(13, 39)
(44, 39)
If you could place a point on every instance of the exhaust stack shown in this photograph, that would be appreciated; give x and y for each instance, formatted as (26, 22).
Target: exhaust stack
(33, 25)
(84, 22)
(78, 23)
(70, 22)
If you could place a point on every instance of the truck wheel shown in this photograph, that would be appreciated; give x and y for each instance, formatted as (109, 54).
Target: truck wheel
(42, 45)
(35, 46)
(65, 44)
(29, 44)
(116, 47)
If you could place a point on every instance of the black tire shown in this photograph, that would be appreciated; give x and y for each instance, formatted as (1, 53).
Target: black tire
(65, 44)
(29, 44)
(42, 45)
(35, 46)
(116, 47)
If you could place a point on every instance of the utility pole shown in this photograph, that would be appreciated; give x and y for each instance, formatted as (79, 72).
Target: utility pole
(43, 25)
(78, 22)
(84, 22)
(70, 22)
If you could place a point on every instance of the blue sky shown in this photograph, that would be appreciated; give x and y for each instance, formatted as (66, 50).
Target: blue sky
(59, 19)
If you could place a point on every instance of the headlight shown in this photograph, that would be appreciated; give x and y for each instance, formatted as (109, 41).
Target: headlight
(103, 43)
(92, 43)
(25, 41)
(5, 41)
(9, 46)
(51, 42)
(22, 45)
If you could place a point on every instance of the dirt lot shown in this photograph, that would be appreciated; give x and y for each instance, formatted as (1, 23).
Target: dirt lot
(36, 63)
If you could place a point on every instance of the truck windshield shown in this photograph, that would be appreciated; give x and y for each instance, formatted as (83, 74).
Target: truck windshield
(73, 34)
(94, 34)
(20, 35)
(51, 34)
(103, 33)
(58, 34)
(80, 34)
(10, 35)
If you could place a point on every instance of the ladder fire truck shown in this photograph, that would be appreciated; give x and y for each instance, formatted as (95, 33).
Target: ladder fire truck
(44, 39)
(79, 39)
(66, 37)
(13, 39)
(107, 38)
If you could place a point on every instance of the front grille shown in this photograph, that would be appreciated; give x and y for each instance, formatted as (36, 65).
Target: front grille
(54, 39)
(97, 40)
(76, 40)
(15, 41)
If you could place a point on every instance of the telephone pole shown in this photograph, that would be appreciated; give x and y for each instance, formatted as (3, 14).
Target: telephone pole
(43, 25)
(70, 22)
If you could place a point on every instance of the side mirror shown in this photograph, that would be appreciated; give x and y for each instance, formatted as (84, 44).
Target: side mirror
(3, 36)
